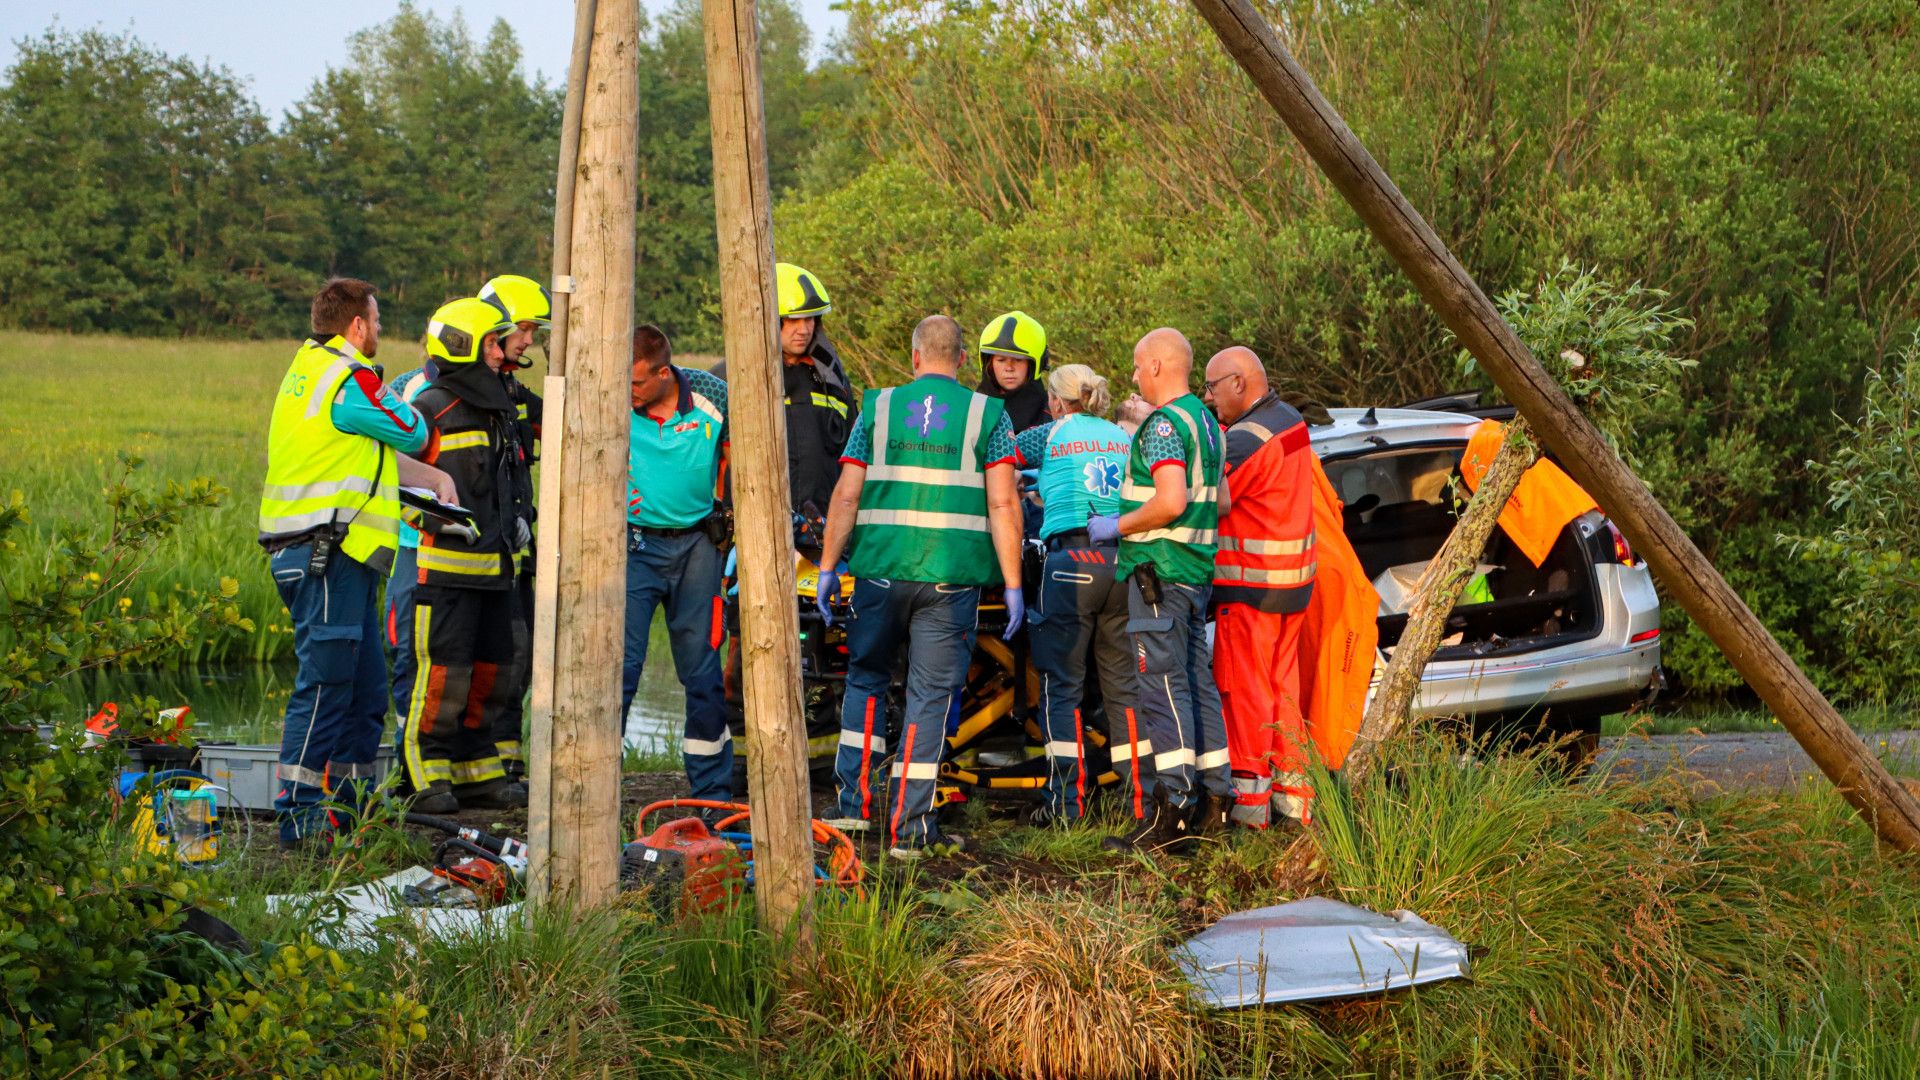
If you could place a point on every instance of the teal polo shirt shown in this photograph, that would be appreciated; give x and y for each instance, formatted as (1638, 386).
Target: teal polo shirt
(673, 465)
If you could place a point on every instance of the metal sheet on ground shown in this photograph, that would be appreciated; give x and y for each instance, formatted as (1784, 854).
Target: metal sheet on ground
(358, 917)
(1313, 950)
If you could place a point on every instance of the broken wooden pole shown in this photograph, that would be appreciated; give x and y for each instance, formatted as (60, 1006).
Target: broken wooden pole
(1684, 572)
(769, 617)
(1434, 597)
(574, 816)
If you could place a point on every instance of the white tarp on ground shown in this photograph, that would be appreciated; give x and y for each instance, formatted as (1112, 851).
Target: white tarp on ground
(1314, 949)
(358, 917)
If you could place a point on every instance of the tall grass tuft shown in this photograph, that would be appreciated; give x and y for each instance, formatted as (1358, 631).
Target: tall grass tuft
(1071, 985)
(1620, 929)
(875, 997)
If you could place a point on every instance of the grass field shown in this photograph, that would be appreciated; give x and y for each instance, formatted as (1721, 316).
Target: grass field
(71, 405)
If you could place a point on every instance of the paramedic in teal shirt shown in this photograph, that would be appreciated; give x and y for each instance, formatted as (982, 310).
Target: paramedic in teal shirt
(1080, 609)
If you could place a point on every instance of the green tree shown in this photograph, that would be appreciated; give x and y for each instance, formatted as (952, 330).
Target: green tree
(138, 191)
(434, 157)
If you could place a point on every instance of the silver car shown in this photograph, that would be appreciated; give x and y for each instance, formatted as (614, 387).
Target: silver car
(1553, 647)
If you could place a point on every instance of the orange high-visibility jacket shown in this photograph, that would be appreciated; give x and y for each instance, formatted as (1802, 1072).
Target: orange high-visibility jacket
(1266, 557)
(1342, 635)
(1546, 500)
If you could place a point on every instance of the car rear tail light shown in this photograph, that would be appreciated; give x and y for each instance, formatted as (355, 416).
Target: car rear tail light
(1644, 635)
(1622, 551)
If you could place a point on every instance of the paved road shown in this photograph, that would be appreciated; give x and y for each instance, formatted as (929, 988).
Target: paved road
(1761, 759)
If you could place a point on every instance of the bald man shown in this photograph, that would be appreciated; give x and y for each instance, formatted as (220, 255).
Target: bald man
(1169, 513)
(928, 500)
(1262, 580)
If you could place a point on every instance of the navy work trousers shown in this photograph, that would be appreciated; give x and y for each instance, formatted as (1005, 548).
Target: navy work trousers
(937, 622)
(682, 573)
(1081, 616)
(339, 701)
(1178, 703)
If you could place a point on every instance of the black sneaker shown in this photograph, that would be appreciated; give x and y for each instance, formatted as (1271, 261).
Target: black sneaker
(936, 845)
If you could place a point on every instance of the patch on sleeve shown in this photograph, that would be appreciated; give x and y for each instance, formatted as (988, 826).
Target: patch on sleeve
(1163, 427)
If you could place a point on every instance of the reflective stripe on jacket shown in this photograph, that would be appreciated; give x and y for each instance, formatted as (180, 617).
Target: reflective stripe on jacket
(923, 507)
(1183, 549)
(318, 475)
(1266, 558)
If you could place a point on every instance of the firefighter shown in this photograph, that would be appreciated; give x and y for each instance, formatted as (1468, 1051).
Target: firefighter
(1013, 354)
(1080, 608)
(928, 501)
(677, 441)
(1262, 581)
(464, 601)
(1170, 501)
(530, 306)
(329, 520)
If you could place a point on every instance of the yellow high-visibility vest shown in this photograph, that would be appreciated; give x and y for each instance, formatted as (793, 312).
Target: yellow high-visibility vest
(318, 475)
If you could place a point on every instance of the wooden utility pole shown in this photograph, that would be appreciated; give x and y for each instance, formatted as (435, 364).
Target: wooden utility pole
(769, 619)
(1684, 572)
(574, 819)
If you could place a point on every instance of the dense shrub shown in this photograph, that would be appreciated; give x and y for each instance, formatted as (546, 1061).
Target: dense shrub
(100, 978)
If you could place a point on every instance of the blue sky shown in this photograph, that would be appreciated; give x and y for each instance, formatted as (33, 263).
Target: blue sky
(279, 48)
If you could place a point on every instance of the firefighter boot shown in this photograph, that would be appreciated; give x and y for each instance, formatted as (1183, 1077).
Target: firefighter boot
(438, 798)
(1163, 830)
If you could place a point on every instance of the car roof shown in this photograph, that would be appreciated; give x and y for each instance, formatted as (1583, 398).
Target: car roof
(1358, 429)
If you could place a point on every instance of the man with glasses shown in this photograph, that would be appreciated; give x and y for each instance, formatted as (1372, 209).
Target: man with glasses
(1262, 579)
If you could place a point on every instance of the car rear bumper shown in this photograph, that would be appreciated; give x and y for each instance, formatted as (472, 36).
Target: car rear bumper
(1585, 679)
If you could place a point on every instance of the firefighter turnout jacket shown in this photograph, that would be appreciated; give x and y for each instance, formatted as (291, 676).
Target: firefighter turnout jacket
(1266, 557)
(476, 441)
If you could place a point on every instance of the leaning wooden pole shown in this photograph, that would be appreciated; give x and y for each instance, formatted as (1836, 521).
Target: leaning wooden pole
(1684, 572)
(583, 13)
(553, 390)
(769, 620)
(574, 819)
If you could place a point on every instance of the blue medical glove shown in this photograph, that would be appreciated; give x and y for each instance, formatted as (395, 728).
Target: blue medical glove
(825, 588)
(1103, 528)
(1016, 612)
(733, 560)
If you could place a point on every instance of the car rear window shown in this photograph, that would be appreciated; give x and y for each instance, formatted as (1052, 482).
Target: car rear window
(1397, 476)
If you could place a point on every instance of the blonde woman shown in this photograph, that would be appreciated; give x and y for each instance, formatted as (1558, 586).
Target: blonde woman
(1079, 608)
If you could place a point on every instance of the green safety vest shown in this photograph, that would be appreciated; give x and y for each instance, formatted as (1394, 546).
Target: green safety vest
(1181, 550)
(318, 475)
(923, 508)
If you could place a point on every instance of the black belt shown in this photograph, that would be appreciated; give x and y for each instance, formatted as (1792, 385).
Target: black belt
(648, 530)
(1073, 538)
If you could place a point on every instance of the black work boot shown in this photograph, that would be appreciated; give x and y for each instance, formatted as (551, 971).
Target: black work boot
(438, 798)
(498, 795)
(1165, 829)
(1213, 815)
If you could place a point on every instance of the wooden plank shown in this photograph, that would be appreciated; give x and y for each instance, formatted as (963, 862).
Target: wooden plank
(1684, 573)
(578, 788)
(769, 618)
(546, 580)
